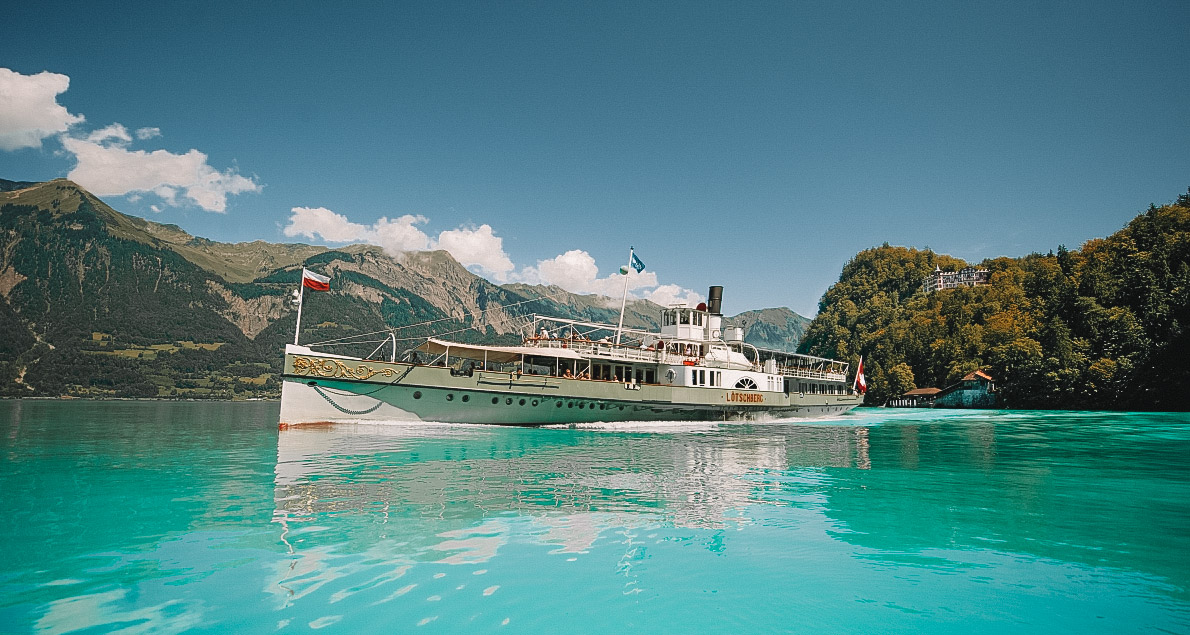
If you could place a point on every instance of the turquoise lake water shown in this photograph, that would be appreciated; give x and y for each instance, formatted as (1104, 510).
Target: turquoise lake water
(155, 517)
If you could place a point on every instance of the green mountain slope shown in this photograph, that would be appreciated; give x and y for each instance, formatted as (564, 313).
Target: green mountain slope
(95, 293)
(777, 329)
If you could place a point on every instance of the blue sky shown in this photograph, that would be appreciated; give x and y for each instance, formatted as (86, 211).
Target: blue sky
(754, 145)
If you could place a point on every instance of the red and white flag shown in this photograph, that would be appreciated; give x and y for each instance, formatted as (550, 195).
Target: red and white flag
(311, 280)
(861, 384)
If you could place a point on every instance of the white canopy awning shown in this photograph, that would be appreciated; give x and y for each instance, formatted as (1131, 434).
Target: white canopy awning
(493, 353)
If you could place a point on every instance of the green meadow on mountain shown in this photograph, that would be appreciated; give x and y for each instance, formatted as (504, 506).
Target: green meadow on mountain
(100, 304)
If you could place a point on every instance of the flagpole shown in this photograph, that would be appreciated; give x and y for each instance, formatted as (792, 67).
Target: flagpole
(624, 300)
(301, 302)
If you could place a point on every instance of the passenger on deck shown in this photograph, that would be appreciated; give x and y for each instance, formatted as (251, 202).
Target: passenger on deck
(567, 374)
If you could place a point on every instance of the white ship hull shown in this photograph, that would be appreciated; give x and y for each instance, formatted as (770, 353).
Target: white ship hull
(319, 389)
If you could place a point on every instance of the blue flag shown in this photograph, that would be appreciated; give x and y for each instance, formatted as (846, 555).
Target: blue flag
(637, 264)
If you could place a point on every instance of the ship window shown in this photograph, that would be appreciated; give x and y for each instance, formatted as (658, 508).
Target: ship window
(697, 319)
(559, 404)
(495, 400)
(534, 402)
(508, 401)
(417, 394)
(450, 397)
(522, 402)
(466, 398)
(746, 383)
(683, 317)
(650, 376)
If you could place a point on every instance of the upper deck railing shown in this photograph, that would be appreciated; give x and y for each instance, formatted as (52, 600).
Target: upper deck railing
(829, 370)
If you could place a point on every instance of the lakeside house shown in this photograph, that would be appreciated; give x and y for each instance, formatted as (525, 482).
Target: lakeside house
(976, 389)
(965, 277)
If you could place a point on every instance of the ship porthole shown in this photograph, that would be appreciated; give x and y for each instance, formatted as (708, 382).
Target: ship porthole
(621, 407)
(466, 398)
(522, 402)
(311, 383)
(603, 406)
(570, 404)
(417, 394)
(534, 402)
(450, 397)
(559, 404)
(495, 400)
(508, 401)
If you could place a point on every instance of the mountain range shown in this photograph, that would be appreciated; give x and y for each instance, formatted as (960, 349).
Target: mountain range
(97, 303)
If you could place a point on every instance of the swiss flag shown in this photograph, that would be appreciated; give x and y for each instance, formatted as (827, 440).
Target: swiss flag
(861, 384)
(311, 280)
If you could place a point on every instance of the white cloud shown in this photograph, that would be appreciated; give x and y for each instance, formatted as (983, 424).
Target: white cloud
(155, 208)
(29, 109)
(577, 272)
(669, 294)
(29, 113)
(313, 222)
(574, 271)
(400, 235)
(111, 170)
(115, 133)
(478, 247)
(395, 236)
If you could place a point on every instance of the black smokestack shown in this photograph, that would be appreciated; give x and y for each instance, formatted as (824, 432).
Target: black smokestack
(715, 300)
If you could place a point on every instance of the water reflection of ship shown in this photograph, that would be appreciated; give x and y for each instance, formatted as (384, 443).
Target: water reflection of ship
(457, 495)
(456, 475)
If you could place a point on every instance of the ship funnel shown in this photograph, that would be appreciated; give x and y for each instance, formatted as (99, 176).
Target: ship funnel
(715, 300)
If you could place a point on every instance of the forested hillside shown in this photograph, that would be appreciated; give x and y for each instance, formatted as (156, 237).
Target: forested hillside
(1103, 326)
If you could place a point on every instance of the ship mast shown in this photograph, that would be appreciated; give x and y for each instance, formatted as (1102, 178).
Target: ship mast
(624, 299)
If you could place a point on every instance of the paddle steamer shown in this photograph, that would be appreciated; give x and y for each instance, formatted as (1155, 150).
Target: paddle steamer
(696, 368)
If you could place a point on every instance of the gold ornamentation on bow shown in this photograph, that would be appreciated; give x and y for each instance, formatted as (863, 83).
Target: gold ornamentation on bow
(334, 368)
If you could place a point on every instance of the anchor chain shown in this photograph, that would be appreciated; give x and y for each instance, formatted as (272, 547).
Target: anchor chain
(318, 389)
